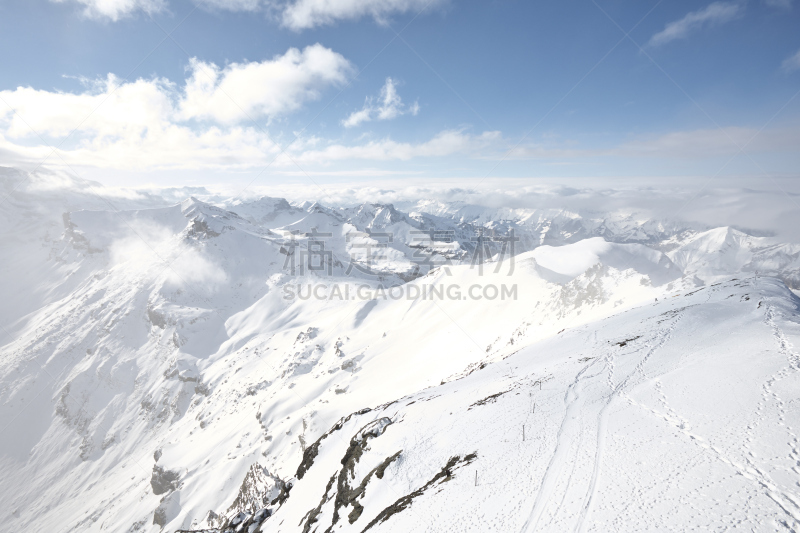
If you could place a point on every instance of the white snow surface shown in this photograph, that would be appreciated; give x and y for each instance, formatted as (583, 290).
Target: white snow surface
(154, 377)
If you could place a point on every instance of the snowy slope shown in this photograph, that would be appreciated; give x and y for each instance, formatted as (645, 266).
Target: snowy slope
(155, 376)
(657, 419)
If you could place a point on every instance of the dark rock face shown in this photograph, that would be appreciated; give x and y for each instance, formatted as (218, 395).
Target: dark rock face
(347, 494)
(160, 517)
(168, 508)
(443, 476)
(311, 451)
(163, 480)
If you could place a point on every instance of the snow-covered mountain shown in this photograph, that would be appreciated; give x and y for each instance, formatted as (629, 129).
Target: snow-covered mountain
(263, 365)
(720, 251)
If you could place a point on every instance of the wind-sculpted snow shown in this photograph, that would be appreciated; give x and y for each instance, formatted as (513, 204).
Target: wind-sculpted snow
(190, 366)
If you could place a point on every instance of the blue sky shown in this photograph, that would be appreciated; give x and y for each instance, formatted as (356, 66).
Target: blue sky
(468, 90)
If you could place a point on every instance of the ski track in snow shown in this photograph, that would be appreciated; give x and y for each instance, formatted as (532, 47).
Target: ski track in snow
(602, 424)
(570, 438)
(574, 406)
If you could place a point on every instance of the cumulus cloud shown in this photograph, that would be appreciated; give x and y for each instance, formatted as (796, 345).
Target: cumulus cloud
(156, 124)
(116, 9)
(246, 90)
(235, 93)
(713, 14)
(388, 106)
(108, 108)
(303, 14)
(204, 122)
(790, 64)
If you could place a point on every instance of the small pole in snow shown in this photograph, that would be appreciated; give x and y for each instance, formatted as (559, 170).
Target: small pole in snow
(476, 478)
(534, 407)
(523, 432)
(540, 384)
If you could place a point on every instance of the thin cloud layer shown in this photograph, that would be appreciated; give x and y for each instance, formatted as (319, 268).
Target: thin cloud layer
(694, 144)
(716, 13)
(443, 144)
(116, 9)
(790, 64)
(231, 5)
(297, 15)
(713, 142)
(304, 14)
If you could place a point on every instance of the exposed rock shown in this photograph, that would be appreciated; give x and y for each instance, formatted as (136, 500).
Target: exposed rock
(347, 495)
(163, 480)
(259, 489)
(311, 452)
(444, 475)
(167, 509)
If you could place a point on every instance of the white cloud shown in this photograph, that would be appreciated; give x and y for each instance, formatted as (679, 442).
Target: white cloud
(157, 124)
(792, 63)
(228, 95)
(108, 108)
(716, 13)
(116, 9)
(195, 125)
(303, 14)
(245, 90)
(175, 147)
(389, 106)
(357, 117)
